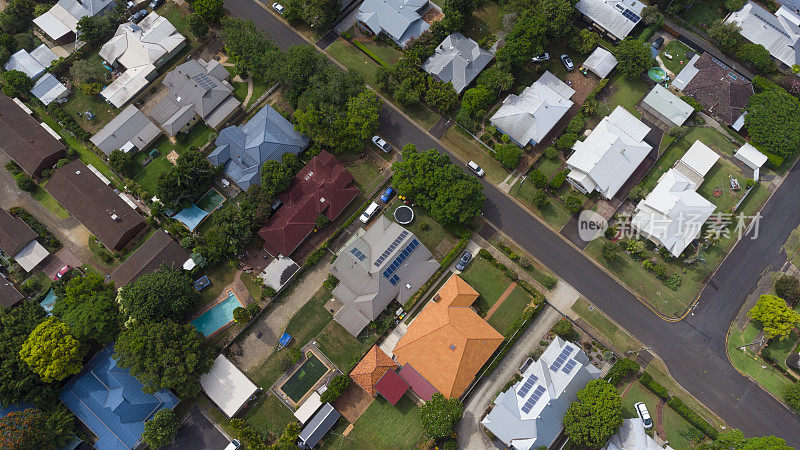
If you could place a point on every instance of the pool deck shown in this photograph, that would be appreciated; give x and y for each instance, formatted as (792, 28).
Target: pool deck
(323, 381)
(242, 294)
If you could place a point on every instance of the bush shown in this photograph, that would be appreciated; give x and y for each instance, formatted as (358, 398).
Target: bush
(576, 125)
(241, 315)
(253, 309)
(549, 282)
(24, 182)
(620, 370)
(539, 199)
(558, 179)
(337, 386)
(692, 417)
(295, 355)
(734, 5)
(268, 292)
(13, 168)
(550, 153)
(573, 203)
(566, 141)
(654, 386)
(538, 179)
(508, 155)
(787, 287)
(792, 396)
(773, 161)
(610, 233)
(564, 329)
(609, 252)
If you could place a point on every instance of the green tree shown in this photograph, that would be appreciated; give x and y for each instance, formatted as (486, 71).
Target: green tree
(88, 306)
(18, 82)
(161, 429)
(734, 5)
(495, 79)
(187, 180)
(523, 41)
(165, 355)
(651, 15)
(362, 118)
(210, 10)
(51, 351)
(773, 121)
(121, 162)
(787, 287)
(595, 416)
(726, 35)
(792, 396)
(557, 16)
(440, 415)
(757, 55)
(288, 439)
(163, 294)
(776, 318)
(24, 182)
(634, 57)
(197, 25)
(734, 440)
(318, 13)
(251, 50)
(573, 203)
(585, 41)
(301, 63)
(539, 199)
(230, 233)
(441, 96)
(275, 177)
(94, 29)
(509, 155)
(241, 315)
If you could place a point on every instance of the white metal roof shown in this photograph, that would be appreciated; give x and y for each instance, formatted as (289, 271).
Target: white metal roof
(668, 105)
(48, 89)
(308, 408)
(618, 17)
(751, 156)
(31, 255)
(227, 386)
(601, 62)
(700, 158)
(779, 32)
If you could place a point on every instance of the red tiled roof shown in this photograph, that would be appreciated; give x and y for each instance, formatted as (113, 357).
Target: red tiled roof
(418, 384)
(391, 387)
(371, 369)
(323, 186)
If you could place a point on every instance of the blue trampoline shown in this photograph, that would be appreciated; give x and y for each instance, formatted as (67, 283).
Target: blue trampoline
(202, 283)
(191, 216)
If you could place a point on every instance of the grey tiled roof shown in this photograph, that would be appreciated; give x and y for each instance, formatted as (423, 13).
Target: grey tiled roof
(131, 125)
(399, 19)
(458, 60)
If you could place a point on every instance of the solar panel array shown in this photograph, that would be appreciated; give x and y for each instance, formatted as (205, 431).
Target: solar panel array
(391, 248)
(527, 385)
(569, 366)
(357, 253)
(400, 258)
(204, 82)
(630, 15)
(537, 394)
(561, 358)
(394, 280)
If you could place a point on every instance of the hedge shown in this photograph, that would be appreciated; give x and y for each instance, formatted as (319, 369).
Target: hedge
(621, 369)
(600, 85)
(692, 417)
(369, 53)
(51, 243)
(773, 161)
(448, 259)
(655, 387)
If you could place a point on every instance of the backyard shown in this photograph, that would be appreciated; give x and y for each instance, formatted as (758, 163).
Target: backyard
(622, 92)
(341, 347)
(220, 276)
(380, 426)
(677, 50)
(703, 14)
(485, 21)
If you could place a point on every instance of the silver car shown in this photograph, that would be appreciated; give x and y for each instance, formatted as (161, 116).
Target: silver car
(381, 144)
(567, 62)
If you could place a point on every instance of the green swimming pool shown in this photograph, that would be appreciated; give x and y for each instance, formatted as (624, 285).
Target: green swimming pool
(210, 201)
(304, 378)
(217, 316)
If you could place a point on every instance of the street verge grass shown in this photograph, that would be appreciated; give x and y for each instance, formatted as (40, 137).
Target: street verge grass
(748, 362)
(469, 149)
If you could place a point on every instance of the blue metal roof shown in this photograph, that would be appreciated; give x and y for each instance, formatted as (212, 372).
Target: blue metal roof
(110, 401)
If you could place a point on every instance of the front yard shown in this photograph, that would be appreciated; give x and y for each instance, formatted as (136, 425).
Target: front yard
(554, 213)
(469, 149)
(676, 427)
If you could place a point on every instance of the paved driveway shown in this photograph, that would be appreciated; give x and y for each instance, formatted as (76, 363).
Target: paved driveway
(198, 433)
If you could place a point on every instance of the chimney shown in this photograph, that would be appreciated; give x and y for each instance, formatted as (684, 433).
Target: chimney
(437, 297)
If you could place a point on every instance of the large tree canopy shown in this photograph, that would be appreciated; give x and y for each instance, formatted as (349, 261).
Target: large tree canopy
(161, 429)
(595, 416)
(164, 294)
(440, 415)
(442, 188)
(557, 16)
(773, 121)
(735, 440)
(51, 351)
(776, 318)
(634, 58)
(165, 355)
(89, 308)
(523, 41)
(252, 50)
(187, 180)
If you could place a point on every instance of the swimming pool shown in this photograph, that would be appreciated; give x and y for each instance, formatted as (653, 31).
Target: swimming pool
(304, 378)
(219, 315)
(49, 301)
(210, 201)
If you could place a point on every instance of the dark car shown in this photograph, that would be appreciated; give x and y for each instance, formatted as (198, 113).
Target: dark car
(466, 257)
(658, 43)
(387, 195)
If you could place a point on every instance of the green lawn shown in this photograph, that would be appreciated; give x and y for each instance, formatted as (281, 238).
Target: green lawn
(703, 14)
(468, 148)
(747, 361)
(381, 426)
(259, 87)
(781, 349)
(341, 347)
(436, 238)
(718, 182)
(365, 173)
(220, 275)
(253, 285)
(385, 52)
(627, 93)
(792, 247)
(239, 90)
(269, 415)
(487, 280)
(311, 319)
(485, 21)
(47, 200)
(511, 308)
(554, 213)
(548, 166)
(80, 103)
(619, 337)
(353, 59)
(678, 51)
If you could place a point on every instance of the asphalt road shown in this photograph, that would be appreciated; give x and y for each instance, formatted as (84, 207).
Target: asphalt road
(694, 349)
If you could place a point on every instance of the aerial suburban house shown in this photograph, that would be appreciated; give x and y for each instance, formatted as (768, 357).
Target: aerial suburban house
(18, 241)
(458, 60)
(528, 415)
(779, 33)
(227, 386)
(160, 250)
(32, 64)
(673, 214)
(95, 204)
(48, 89)
(377, 265)
(666, 106)
(111, 402)
(632, 436)
(605, 160)
(196, 90)
(244, 149)
(614, 17)
(60, 23)
(448, 342)
(401, 20)
(721, 91)
(9, 295)
(129, 131)
(528, 117)
(323, 187)
(26, 141)
(140, 49)
(601, 62)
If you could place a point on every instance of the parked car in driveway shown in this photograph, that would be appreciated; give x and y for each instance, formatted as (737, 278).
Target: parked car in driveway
(476, 168)
(369, 212)
(567, 62)
(155, 4)
(387, 195)
(641, 411)
(60, 274)
(462, 263)
(381, 144)
(278, 7)
(658, 43)
(541, 58)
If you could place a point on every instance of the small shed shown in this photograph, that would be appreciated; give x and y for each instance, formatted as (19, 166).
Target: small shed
(601, 62)
(318, 426)
(697, 161)
(227, 386)
(391, 387)
(308, 408)
(753, 158)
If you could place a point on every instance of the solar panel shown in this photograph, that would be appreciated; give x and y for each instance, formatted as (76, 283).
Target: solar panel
(537, 394)
(391, 248)
(527, 386)
(569, 366)
(204, 82)
(630, 15)
(394, 280)
(357, 253)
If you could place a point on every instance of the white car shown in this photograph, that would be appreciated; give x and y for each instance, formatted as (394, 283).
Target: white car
(369, 212)
(476, 168)
(278, 7)
(567, 62)
(381, 144)
(541, 58)
(641, 410)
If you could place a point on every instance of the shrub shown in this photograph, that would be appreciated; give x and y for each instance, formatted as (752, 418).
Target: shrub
(539, 199)
(610, 233)
(549, 282)
(337, 386)
(573, 203)
(654, 386)
(24, 182)
(268, 292)
(550, 152)
(734, 5)
(576, 125)
(566, 141)
(241, 315)
(558, 179)
(483, 253)
(295, 355)
(621, 369)
(538, 178)
(609, 252)
(792, 396)
(692, 417)
(564, 329)
(787, 287)
(508, 155)
(13, 168)
(253, 309)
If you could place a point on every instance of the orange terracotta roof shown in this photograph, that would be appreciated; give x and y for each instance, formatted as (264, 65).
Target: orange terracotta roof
(448, 342)
(371, 368)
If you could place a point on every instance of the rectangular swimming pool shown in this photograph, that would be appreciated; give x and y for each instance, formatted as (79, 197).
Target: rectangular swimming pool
(210, 201)
(304, 378)
(219, 315)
